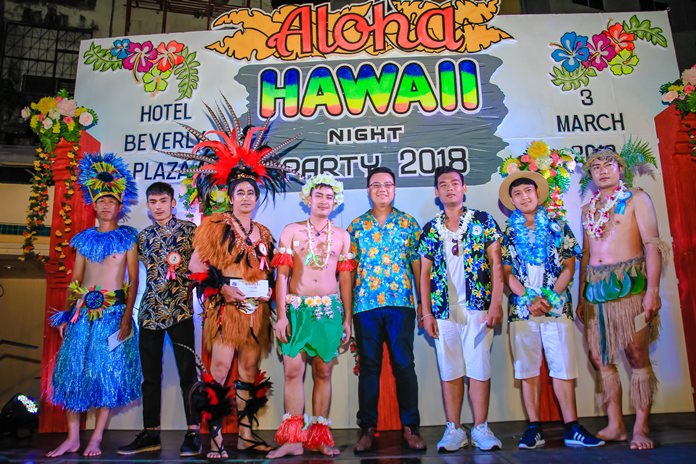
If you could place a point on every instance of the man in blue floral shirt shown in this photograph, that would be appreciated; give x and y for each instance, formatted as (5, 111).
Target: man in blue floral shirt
(462, 272)
(384, 242)
(539, 256)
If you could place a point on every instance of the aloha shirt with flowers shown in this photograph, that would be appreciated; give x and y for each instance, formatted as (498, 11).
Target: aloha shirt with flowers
(482, 232)
(562, 246)
(385, 254)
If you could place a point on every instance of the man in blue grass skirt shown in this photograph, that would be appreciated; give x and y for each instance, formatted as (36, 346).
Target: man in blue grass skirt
(98, 364)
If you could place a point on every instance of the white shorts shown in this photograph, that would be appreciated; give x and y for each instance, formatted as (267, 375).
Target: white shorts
(555, 335)
(464, 349)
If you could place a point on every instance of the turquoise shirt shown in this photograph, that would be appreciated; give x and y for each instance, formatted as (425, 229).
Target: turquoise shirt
(384, 276)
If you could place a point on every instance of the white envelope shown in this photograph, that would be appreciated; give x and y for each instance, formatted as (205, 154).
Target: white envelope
(114, 341)
(640, 322)
(251, 289)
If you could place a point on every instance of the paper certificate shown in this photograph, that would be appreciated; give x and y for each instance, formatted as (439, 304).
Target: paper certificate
(114, 341)
(251, 289)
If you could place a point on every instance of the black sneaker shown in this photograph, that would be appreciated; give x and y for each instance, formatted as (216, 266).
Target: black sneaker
(532, 438)
(577, 436)
(191, 445)
(145, 442)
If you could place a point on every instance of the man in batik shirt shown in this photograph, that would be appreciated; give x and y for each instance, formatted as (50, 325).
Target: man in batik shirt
(462, 284)
(165, 249)
(539, 254)
(384, 242)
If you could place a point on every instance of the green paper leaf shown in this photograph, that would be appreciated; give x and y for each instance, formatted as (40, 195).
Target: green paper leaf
(187, 73)
(643, 30)
(101, 59)
(568, 81)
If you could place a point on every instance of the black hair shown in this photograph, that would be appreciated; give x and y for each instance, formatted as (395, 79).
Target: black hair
(240, 180)
(521, 181)
(446, 170)
(159, 188)
(380, 170)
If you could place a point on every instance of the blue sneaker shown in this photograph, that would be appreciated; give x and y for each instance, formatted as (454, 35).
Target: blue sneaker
(532, 438)
(577, 436)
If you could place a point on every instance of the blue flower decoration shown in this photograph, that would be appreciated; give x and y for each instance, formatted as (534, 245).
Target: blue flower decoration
(573, 51)
(120, 48)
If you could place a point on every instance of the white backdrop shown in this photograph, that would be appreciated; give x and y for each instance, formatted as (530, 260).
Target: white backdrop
(526, 107)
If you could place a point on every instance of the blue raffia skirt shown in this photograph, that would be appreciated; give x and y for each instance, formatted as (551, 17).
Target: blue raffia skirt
(86, 374)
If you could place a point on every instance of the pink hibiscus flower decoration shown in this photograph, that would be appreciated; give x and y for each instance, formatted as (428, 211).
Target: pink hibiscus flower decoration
(620, 39)
(140, 56)
(688, 89)
(602, 51)
(168, 55)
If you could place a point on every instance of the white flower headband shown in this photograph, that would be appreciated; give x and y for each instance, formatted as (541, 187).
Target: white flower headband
(326, 179)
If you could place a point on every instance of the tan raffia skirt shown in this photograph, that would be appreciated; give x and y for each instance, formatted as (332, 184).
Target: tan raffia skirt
(226, 324)
(618, 314)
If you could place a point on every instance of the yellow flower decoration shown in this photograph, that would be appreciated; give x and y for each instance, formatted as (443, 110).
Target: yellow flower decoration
(45, 105)
(537, 149)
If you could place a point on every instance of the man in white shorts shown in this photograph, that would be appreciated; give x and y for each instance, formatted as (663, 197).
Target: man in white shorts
(539, 254)
(462, 272)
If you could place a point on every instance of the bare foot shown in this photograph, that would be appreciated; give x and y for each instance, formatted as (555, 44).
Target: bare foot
(641, 441)
(217, 448)
(327, 450)
(222, 454)
(617, 433)
(92, 448)
(288, 449)
(68, 446)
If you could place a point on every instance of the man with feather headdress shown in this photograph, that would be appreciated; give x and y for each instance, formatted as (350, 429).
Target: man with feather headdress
(231, 260)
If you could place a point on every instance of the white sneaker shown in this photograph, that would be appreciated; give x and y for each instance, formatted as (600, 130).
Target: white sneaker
(453, 439)
(483, 438)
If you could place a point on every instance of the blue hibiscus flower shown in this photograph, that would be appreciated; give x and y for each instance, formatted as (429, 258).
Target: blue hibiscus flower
(120, 48)
(572, 51)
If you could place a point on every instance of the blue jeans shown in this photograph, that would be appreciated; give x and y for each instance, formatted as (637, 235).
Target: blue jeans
(395, 326)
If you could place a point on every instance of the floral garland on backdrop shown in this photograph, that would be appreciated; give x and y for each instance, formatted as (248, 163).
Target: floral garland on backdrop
(188, 194)
(682, 93)
(552, 163)
(53, 119)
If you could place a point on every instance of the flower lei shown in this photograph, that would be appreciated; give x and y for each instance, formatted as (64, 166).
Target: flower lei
(596, 225)
(445, 233)
(312, 259)
(552, 297)
(531, 253)
(326, 179)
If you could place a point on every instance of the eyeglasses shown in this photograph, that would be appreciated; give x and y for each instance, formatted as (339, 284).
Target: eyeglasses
(380, 185)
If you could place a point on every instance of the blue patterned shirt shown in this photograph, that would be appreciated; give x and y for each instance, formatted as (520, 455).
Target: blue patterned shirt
(562, 245)
(385, 255)
(481, 232)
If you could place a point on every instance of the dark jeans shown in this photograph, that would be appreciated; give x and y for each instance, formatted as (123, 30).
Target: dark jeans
(372, 329)
(151, 348)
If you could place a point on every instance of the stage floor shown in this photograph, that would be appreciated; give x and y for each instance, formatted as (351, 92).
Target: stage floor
(675, 435)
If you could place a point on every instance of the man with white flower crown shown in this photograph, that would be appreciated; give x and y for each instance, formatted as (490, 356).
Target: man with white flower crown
(620, 285)
(539, 254)
(314, 315)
